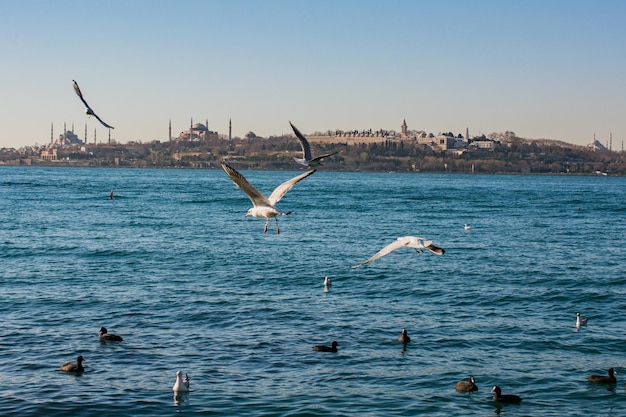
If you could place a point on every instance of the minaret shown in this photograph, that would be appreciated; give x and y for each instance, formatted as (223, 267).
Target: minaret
(190, 128)
(404, 128)
(467, 134)
(52, 133)
(611, 141)
(85, 133)
(230, 129)
(109, 136)
(64, 133)
(170, 131)
(94, 135)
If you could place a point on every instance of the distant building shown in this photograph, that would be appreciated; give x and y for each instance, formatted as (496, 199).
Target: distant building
(595, 145)
(197, 132)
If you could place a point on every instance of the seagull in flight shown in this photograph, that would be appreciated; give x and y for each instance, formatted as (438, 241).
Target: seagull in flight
(88, 109)
(308, 159)
(417, 243)
(263, 206)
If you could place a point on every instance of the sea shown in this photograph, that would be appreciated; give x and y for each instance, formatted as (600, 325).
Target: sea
(173, 266)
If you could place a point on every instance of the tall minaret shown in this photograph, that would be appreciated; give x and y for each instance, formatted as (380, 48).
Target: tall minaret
(85, 133)
(191, 128)
(64, 133)
(230, 129)
(467, 134)
(109, 136)
(405, 131)
(52, 133)
(94, 135)
(611, 141)
(170, 131)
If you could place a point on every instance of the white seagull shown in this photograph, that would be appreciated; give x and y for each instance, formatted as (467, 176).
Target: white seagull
(308, 159)
(262, 206)
(88, 109)
(467, 227)
(581, 321)
(417, 243)
(181, 385)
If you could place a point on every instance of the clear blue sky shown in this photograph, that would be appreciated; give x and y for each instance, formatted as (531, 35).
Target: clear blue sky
(543, 69)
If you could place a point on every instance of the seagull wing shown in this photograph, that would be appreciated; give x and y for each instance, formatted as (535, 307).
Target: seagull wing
(400, 242)
(319, 158)
(101, 121)
(77, 89)
(240, 181)
(282, 189)
(306, 148)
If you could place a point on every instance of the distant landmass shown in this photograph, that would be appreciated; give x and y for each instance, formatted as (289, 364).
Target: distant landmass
(406, 151)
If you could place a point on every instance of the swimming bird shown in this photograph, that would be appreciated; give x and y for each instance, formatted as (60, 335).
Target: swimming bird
(73, 366)
(105, 336)
(505, 398)
(88, 109)
(407, 241)
(308, 159)
(581, 321)
(327, 282)
(404, 337)
(604, 379)
(262, 206)
(181, 384)
(467, 227)
(466, 386)
(322, 348)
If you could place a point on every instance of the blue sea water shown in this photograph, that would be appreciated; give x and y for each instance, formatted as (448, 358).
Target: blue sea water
(172, 265)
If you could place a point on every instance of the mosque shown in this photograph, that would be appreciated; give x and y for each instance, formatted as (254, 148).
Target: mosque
(196, 132)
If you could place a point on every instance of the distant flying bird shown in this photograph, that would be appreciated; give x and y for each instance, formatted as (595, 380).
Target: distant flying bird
(262, 206)
(308, 159)
(467, 227)
(417, 243)
(181, 384)
(581, 321)
(88, 109)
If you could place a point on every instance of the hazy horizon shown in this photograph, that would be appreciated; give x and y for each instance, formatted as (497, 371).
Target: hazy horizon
(542, 69)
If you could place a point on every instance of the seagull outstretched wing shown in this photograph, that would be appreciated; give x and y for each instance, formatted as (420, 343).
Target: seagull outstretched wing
(308, 159)
(406, 241)
(88, 109)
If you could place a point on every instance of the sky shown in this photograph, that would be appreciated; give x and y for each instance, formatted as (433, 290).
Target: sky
(546, 69)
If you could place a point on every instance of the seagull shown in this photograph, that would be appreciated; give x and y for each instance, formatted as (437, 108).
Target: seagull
(87, 108)
(581, 321)
(417, 243)
(262, 206)
(327, 282)
(73, 366)
(105, 336)
(181, 385)
(467, 227)
(308, 159)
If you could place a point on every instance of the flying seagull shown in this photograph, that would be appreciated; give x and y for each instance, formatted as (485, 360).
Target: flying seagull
(262, 206)
(87, 108)
(308, 159)
(417, 243)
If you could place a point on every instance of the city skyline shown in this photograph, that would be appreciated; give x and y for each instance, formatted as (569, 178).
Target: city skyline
(548, 70)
